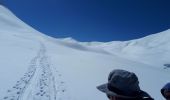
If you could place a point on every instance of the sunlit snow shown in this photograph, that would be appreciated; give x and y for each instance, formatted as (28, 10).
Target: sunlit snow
(38, 67)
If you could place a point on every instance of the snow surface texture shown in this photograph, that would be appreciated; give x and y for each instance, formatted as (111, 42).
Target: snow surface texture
(38, 67)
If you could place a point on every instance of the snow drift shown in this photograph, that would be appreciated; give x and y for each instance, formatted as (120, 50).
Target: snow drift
(38, 67)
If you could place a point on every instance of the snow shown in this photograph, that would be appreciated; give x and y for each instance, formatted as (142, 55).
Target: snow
(143, 50)
(38, 67)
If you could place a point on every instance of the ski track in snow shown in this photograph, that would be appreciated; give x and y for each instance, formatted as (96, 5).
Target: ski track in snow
(40, 82)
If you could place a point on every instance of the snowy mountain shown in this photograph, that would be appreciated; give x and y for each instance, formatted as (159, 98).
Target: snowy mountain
(38, 67)
(144, 50)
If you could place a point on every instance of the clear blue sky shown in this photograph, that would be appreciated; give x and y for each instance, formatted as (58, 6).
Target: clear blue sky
(94, 20)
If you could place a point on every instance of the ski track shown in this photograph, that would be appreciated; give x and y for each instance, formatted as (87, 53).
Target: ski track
(40, 82)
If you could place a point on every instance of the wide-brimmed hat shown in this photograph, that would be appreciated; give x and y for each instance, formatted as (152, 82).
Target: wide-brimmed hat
(121, 83)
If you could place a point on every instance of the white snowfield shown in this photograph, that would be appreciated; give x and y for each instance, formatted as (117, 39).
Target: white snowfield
(34, 66)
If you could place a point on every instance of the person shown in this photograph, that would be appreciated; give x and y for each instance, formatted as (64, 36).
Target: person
(123, 85)
(165, 91)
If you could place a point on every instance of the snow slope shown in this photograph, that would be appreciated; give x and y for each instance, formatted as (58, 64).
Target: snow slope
(38, 67)
(144, 50)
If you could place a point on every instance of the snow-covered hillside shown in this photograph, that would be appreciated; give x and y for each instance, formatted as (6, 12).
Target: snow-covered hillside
(34, 66)
(152, 50)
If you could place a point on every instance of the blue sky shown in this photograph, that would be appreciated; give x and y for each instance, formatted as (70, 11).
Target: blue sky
(94, 20)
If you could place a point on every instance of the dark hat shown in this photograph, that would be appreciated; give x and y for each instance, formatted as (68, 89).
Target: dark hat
(165, 88)
(121, 83)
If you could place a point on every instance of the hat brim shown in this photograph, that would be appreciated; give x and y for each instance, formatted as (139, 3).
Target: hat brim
(104, 88)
